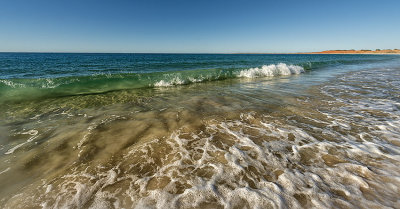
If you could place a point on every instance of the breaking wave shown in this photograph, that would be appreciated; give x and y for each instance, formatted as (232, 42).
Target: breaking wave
(280, 69)
(23, 89)
(271, 70)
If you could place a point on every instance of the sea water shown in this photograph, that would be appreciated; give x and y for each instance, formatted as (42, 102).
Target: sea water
(199, 131)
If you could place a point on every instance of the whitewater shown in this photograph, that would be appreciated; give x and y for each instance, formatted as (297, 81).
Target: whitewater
(199, 131)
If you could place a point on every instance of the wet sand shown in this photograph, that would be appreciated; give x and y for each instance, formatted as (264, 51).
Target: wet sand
(312, 140)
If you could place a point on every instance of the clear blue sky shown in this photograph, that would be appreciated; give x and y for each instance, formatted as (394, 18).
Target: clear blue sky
(197, 25)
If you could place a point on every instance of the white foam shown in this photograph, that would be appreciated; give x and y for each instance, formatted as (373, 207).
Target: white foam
(256, 161)
(265, 71)
(271, 70)
(48, 83)
(242, 186)
(11, 83)
(172, 82)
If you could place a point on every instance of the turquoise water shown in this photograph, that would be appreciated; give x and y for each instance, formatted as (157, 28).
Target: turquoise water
(28, 76)
(58, 65)
(199, 131)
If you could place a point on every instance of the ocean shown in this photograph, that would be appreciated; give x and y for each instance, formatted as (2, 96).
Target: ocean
(81, 130)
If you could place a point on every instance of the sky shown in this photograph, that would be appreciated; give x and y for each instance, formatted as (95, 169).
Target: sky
(201, 26)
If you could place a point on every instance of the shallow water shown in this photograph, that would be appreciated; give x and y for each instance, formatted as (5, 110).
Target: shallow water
(326, 137)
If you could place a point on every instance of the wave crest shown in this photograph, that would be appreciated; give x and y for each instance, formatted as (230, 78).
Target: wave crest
(33, 88)
(175, 81)
(264, 71)
(271, 70)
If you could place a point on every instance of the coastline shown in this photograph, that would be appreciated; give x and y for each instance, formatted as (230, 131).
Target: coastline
(377, 52)
(277, 134)
(350, 53)
(324, 53)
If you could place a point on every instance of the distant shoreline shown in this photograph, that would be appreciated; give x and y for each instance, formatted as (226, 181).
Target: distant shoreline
(352, 51)
(377, 52)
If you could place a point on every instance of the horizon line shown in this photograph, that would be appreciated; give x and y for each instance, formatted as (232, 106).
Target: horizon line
(69, 52)
(88, 52)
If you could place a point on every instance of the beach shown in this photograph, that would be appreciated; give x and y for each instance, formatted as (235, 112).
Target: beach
(81, 130)
(353, 51)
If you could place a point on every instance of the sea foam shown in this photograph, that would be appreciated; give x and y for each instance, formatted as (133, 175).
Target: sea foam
(280, 69)
(173, 82)
(271, 70)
